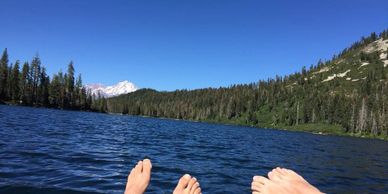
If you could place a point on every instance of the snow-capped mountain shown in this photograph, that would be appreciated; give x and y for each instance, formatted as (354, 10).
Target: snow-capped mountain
(122, 87)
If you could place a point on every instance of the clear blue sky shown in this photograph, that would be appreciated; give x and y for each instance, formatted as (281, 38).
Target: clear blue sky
(176, 44)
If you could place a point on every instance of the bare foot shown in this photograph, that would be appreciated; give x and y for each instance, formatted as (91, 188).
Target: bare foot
(187, 185)
(282, 180)
(139, 178)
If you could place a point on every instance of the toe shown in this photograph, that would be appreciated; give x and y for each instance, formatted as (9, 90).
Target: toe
(260, 179)
(139, 167)
(282, 171)
(255, 186)
(271, 175)
(195, 186)
(275, 175)
(191, 183)
(183, 182)
(288, 171)
(256, 183)
(147, 166)
(279, 171)
(197, 191)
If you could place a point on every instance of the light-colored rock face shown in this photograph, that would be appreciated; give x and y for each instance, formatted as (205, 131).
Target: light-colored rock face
(378, 45)
(123, 87)
(381, 46)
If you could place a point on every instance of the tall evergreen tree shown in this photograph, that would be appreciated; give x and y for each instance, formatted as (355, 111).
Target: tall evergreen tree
(44, 88)
(24, 84)
(35, 72)
(15, 88)
(69, 79)
(3, 74)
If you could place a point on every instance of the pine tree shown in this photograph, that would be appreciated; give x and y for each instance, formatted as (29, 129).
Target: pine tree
(70, 84)
(8, 92)
(362, 117)
(78, 91)
(55, 92)
(62, 90)
(3, 74)
(15, 88)
(44, 88)
(35, 75)
(24, 84)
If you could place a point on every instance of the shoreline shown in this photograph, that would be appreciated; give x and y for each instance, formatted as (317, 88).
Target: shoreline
(283, 128)
(299, 128)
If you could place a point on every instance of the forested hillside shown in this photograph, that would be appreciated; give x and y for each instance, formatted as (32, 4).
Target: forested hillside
(347, 94)
(30, 85)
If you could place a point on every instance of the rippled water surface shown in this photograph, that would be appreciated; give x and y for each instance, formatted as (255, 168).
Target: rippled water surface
(53, 151)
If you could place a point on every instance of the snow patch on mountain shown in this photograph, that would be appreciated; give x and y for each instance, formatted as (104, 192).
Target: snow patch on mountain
(331, 77)
(364, 64)
(123, 87)
(383, 55)
(324, 69)
(343, 74)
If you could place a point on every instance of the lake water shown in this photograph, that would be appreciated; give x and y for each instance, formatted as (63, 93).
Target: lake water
(54, 151)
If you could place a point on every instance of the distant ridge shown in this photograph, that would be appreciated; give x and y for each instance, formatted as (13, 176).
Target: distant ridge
(344, 95)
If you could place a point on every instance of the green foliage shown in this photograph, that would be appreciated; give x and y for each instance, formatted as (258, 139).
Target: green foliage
(33, 87)
(354, 102)
(3, 74)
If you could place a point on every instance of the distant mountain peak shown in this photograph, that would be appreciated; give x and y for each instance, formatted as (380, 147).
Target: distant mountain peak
(122, 87)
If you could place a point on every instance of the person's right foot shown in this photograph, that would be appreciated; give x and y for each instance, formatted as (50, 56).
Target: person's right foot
(187, 185)
(282, 180)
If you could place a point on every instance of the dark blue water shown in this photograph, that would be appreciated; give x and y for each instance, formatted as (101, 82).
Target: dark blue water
(53, 151)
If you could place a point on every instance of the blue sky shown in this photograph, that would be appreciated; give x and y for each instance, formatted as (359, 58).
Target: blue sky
(175, 44)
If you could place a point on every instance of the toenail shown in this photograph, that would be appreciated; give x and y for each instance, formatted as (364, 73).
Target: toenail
(194, 178)
(255, 178)
(187, 176)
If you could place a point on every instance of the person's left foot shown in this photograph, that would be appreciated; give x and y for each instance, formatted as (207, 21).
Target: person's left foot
(139, 178)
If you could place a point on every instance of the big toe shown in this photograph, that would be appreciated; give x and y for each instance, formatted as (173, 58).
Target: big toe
(183, 182)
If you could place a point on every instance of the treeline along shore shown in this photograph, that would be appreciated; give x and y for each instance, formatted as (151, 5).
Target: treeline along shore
(29, 85)
(346, 95)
